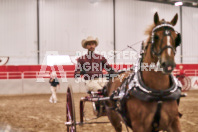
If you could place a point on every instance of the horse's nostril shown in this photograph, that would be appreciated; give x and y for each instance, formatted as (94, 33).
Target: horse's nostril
(169, 68)
(163, 64)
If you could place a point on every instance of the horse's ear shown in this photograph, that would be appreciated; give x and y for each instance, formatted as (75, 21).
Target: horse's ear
(156, 18)
(174, 20)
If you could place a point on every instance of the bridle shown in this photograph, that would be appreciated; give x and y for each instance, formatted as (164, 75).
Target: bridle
(167, 27)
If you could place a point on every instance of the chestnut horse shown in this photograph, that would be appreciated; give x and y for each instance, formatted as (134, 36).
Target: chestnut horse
(143, 114)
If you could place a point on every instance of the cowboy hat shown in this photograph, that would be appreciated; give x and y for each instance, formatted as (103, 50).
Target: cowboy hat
(89, 39)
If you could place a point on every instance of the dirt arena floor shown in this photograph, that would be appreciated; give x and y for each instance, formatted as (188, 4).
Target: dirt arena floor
(34, 113)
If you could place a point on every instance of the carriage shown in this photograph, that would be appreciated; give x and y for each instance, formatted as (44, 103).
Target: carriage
(98, 103)
(97, 99)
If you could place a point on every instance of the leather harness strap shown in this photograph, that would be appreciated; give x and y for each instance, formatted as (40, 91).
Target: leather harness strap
(157, 116)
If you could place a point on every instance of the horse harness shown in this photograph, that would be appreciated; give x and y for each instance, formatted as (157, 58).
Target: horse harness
(133, 85)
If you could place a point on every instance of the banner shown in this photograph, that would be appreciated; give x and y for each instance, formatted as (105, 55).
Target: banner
(194, 82)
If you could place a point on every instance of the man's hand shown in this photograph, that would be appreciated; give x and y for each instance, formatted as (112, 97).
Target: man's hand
(111, 71)
(82, 72)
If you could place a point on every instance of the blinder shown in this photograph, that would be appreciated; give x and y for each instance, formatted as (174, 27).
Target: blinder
(178, 39)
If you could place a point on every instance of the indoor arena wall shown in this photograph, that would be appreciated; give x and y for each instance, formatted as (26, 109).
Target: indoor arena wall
(62, 24)
(18, 34)
(31, 86)
(190, 32)
(29, 80)
(134, 17)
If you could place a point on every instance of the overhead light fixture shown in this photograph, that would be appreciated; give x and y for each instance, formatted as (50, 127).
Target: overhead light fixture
(93, 1)
(179, 3)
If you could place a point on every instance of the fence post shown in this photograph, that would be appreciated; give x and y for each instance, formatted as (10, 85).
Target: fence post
(22, 77)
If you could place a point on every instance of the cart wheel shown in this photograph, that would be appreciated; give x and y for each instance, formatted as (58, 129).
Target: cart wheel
(186, 82)
(70, 111)
(81, 111)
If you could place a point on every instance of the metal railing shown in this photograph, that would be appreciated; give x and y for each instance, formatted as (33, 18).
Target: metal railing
(34, 74)
(191, 72)
(61, 74)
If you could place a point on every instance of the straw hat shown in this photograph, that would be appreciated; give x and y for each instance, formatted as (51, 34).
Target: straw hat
(89, 39)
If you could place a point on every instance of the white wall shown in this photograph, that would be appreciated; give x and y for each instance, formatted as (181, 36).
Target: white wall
(64, 23)
(134, 17)
(190, 33)
(18, 32)
(31, 86)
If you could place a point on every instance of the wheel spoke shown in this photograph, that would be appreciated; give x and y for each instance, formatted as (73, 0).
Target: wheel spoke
(70, 112)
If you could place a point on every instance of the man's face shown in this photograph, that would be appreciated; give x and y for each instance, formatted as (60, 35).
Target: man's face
(91, 46)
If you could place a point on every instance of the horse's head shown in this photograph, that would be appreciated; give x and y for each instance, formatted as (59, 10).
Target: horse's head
(164, 41)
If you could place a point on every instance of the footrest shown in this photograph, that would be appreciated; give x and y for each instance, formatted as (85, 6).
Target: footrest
(183, 95)
(68, 123)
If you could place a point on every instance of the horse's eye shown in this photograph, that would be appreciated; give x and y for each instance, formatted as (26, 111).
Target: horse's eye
(156, 37)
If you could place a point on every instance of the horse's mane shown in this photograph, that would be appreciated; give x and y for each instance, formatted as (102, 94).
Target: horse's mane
(148, 31)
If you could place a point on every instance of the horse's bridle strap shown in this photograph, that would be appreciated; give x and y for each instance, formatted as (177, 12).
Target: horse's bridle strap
(166, 33)
(161, 50)
(162, 25)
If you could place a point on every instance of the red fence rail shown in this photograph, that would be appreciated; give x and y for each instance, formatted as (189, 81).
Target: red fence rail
(37, 71)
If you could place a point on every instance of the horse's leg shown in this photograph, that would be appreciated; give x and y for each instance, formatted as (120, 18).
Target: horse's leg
(175, 127)
(114, 119)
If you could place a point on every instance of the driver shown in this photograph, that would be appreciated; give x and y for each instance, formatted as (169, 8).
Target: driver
(91, 65)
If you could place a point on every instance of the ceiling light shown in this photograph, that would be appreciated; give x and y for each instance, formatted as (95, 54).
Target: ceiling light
(93, 1)
(178, 3)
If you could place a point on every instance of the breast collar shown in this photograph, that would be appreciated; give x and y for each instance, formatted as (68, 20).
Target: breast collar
(138, 89)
